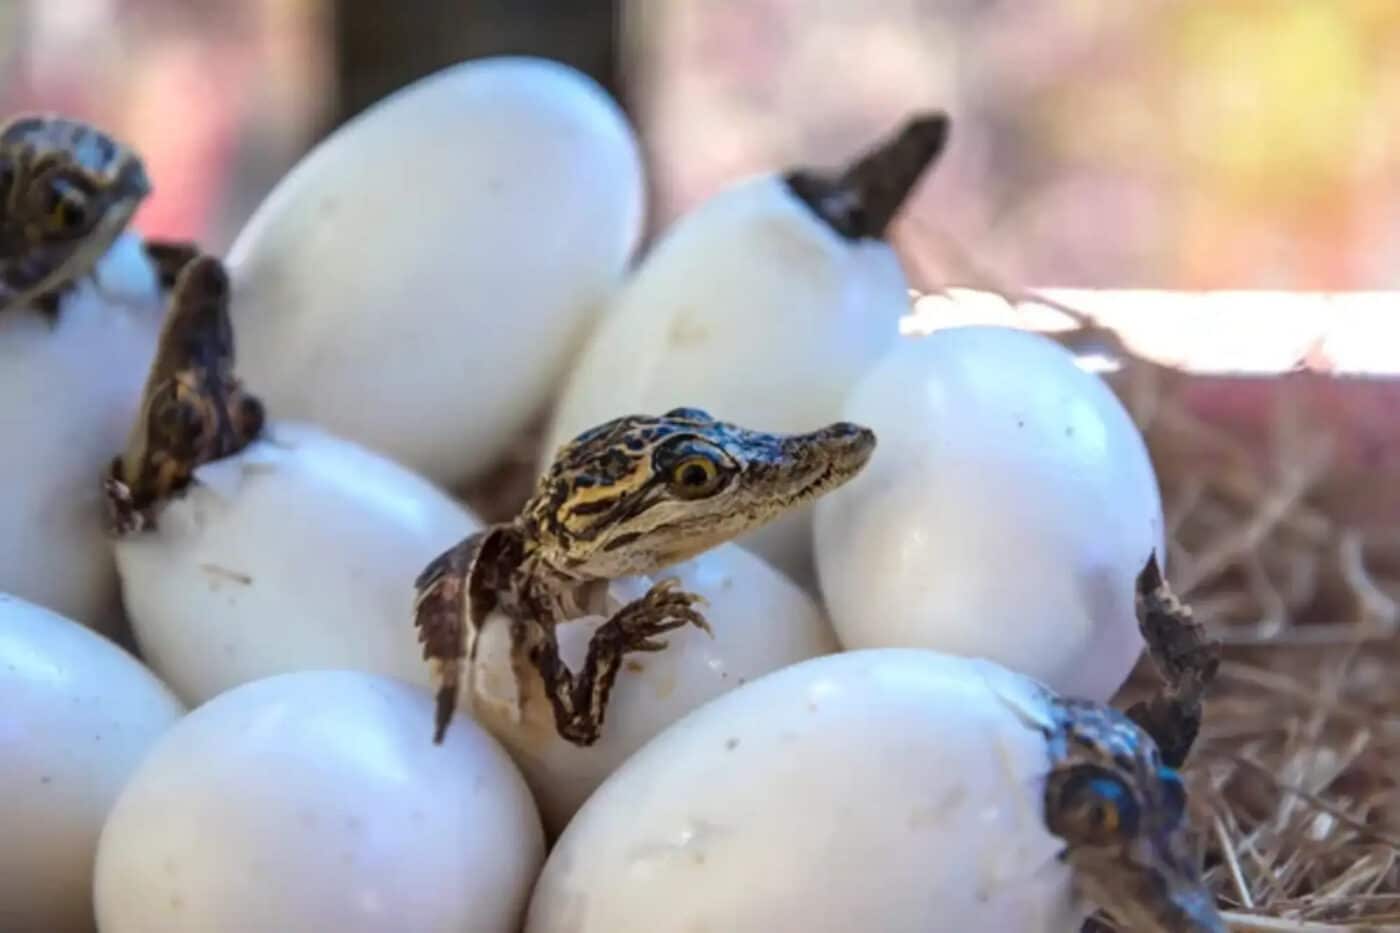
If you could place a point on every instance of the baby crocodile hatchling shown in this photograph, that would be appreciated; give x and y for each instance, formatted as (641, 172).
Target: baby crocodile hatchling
(67, 191)
(193, 410)
(1121, 812)
(629, 497)
(1113, 795)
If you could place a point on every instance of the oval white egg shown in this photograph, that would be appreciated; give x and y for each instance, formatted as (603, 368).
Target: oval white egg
(1005, 514)
(441, 254)
(68, 394)
(761, 622)
(751, 284)
(312, 801)
(298, 552)
(879, 790)
(77, 714)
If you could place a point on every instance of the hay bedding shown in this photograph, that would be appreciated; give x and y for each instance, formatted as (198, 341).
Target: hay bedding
(1285, 541)
(1296, 779)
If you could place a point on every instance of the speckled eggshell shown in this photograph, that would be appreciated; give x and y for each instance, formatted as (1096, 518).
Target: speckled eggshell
(299, 552)
(314, 801)
(68, 394)
(754, 309)
(419, 281)
(77, 714)
(890, 790)
(761, 622)
(1005, 514)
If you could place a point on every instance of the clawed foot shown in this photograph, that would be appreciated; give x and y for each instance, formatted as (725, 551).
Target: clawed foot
(664, 608)
(1186, 658)
(580, 701)
(124, 516)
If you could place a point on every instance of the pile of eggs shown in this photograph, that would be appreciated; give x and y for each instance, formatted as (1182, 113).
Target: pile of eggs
(849, 749)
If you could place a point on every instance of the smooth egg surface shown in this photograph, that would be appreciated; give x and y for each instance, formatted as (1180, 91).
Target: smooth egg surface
(442, 255)
(891, 790)
(1005, 514)
(77, 715)
(69, 391)
(317, 801)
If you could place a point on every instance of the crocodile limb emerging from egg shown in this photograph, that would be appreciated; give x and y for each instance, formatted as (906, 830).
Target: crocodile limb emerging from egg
(67, 192)
(629, 497)
(193, 410)
(862, 199)
(1185, 656)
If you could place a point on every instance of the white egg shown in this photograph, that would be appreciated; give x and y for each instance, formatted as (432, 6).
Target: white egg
(68, 393)
(441, 254)
(761, 622)
(313, 801)
(77, 714)
(753, 307)
(298, 552)
(881, 790)
(1005, 514)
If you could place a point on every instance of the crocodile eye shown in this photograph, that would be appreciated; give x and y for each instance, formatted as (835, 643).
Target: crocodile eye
(67, 207)
(1093, 807)
(694, 477)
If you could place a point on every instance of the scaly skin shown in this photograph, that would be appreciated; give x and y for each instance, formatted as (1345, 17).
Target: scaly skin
(860, 201)
(1113, 794)
(1185, 656)
(193, 410)
(1121, 812)
(67, 191)
(629, 497)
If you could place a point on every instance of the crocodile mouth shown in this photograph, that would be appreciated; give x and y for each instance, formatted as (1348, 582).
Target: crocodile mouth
(815, 486)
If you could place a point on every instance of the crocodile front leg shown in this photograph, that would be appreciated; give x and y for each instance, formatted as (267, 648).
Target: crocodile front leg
(1187, 659)
(580, 700)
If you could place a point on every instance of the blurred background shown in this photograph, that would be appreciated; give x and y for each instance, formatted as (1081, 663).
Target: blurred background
(1152, 144)
(1160, 143)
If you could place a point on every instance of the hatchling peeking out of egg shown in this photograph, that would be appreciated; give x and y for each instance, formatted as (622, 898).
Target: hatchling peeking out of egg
(194, 410)
(632, 496)
(1113, 794)
(67, 191)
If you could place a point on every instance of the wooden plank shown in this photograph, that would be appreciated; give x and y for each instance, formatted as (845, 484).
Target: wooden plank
(1221, 332)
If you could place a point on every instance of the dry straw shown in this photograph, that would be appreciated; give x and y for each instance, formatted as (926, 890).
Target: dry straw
(1296, 780)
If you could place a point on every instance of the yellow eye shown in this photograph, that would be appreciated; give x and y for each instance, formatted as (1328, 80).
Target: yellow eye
(1094, 809)
(1104, 818)
(68, 208)
(694, 477)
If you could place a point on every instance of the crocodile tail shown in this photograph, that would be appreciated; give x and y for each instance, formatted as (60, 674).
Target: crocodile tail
(442, 616)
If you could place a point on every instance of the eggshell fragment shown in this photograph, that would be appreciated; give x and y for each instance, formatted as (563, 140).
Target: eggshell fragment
(1005, 514)
(442, 254)
(753, 309)
(298, 552)
(313, 801)
(761, 622)
(77, 714)
(891, 790)
(69, 390)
